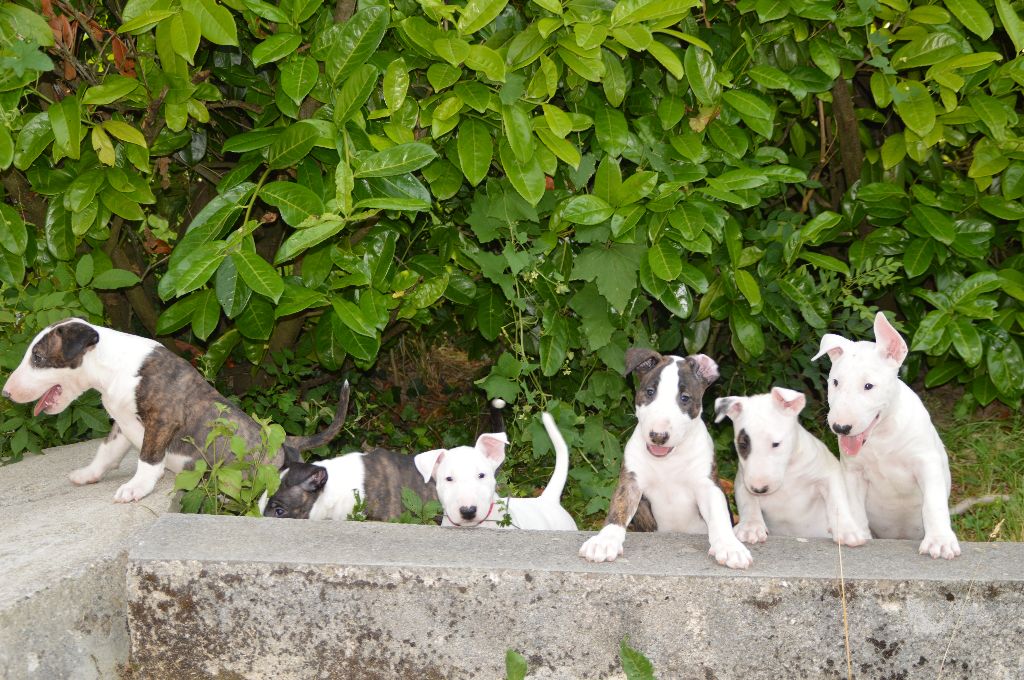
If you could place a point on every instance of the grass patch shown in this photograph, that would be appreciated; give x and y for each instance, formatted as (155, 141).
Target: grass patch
(987, 457)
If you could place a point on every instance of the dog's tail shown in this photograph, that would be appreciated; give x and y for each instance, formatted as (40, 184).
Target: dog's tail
(968, 503)
(558, 478)
(497, 421)
(297, 443)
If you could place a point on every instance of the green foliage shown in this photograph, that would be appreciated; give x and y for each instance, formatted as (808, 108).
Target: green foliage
(231, 485)
(549, 182)
(515, 665)
(635, 665)
(416, 511)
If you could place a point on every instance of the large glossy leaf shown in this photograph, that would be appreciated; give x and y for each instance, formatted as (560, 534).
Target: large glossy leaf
(216, 22)
(476, 150)
(972, 15)
(292, 145)
(478, 13)
(275, 47)
(298, 76)
(354, 93)
(396, 160)
(296, 202)
(350, 45)
(304, 239)
(258, 274)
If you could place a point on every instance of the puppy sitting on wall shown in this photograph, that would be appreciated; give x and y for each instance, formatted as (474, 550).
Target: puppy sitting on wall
(156, 399)
(788, 482)
(669, 462)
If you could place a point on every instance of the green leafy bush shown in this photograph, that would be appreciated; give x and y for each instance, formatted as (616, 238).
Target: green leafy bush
(549, 182)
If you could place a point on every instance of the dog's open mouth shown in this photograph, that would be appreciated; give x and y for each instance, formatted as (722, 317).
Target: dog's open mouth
(852, 444)
(658, 451)
(48, 400)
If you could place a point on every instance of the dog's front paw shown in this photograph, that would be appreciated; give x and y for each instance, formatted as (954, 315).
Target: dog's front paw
(850, 535)
(751, 532)
(601, 548)
(942, 545)
(732, 554)
(85, 475)
(131, 491)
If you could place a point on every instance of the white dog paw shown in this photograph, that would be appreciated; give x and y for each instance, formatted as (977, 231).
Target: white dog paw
(751, 532)
(601, 549)
(85, 475)
(850, 536)
(732, 554)
(943, 545)
(131, 491)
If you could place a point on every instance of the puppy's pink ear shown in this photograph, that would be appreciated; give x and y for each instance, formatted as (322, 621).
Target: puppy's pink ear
(427, 462)
(891, 344)
(492, 445)
(788, 401)
(728, 406)
(705, 367)
(833, 345)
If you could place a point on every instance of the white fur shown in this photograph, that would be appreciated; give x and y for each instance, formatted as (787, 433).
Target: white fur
(682, 495)
(464, 477)
(111, 367)
(898, 476)
(799, 482)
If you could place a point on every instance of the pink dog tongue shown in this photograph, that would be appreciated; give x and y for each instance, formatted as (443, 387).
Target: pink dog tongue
(45, 399)
(851, 445)
(658, 450)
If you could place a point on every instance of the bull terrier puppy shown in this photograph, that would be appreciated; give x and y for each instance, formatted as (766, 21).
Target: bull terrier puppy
(788, 482)
(466, 486)
(668, 468)
(895, 465)
(157, 400)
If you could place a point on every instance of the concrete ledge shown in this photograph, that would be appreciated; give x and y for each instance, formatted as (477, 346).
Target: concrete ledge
(245, 598)
(63, 550)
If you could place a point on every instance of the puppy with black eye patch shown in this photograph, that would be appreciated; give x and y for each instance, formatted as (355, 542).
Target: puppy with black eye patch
(160, 404)
(668, 479)
(788, 482)
(330, 489)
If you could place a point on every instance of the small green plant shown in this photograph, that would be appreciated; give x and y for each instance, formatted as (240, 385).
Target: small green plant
(416, 511)
(231, 485)
(358, 513)
(635, 664)
(515, 665)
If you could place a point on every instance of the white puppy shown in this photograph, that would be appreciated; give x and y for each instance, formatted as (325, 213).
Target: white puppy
(894, 462)
(668, 480)
(465, 482)
(788, 482)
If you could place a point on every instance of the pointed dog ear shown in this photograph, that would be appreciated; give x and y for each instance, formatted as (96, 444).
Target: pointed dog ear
(704, 366)
(788, 401)
(492, 445)
(428, 461)
(833, 345)
(727, 406)
(640, 360)
(75, 340)
(890, 343)
(316, 480)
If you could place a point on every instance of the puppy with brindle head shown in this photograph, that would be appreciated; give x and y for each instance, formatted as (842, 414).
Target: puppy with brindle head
(330, 489)
(788, 482)
(157, 400)
(668, 467)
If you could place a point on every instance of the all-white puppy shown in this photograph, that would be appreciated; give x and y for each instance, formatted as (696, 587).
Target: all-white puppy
(788, 482)
(465, 482)
(668, 480)
(894, 462)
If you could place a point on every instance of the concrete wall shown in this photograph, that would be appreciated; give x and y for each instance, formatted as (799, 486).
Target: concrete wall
(63, 556)
(242, 598)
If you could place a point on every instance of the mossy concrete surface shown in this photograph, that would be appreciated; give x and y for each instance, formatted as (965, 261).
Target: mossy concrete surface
(219, 597)
(63, 556)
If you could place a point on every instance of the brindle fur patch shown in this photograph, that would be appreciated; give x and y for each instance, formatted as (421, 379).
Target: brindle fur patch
(386, 474)
(625, 499)
(644, 520)
(300, 486)
(693, 385)
(64, 346)
(743, 444)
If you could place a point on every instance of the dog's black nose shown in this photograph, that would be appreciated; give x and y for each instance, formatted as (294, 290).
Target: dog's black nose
(759, 490)
(658, 438)
(468, 512)
(841, 429)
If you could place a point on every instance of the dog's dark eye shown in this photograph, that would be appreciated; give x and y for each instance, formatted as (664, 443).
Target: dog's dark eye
(279, 511)
(868, 386)
(775, 445)
(685, 398)
(649, 391)
(481, 475)
(449, 479)
(835, 383)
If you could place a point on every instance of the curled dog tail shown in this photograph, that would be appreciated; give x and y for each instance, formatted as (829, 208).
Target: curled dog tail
(294, 444)
(558, 478)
